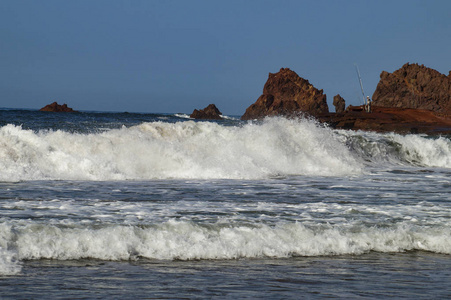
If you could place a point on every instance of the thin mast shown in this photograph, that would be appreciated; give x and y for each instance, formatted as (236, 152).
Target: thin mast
(361, 85)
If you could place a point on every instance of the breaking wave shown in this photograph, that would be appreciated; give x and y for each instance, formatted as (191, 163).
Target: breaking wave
(205, 150)
(185, 240)
(189, 149)
(415, 150)
(9, 265)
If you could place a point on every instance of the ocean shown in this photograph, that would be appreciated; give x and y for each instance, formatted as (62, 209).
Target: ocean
(98, 205)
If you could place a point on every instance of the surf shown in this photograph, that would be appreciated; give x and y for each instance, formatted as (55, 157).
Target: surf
(161, 150)
(184, 240)
(395, 149)
(208, 150)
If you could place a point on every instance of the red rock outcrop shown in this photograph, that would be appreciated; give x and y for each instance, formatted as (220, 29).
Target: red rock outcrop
(414, 86)
(339, 104)
(285, 93)
(211, 112)
(389, 119)
(55, 107)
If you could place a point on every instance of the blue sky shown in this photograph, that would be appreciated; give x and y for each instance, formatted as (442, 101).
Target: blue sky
(174, 56)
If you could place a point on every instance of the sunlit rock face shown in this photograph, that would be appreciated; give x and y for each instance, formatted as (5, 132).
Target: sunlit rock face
(414, 86)
(285, 93)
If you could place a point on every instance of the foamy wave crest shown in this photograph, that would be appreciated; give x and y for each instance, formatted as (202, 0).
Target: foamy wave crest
(9, 264)
(184, 116)
(398, 149)
(187, 240)
(189, 149)
(426, 151)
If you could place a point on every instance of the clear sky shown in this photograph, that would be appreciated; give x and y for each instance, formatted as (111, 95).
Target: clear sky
(174, 56)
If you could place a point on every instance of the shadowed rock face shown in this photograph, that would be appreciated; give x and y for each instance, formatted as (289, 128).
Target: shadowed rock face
(414, 86)
(339, 104)
(211, 112)
(55, 107)
(285, 93)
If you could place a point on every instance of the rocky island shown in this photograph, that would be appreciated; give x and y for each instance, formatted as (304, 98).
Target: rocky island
(55, 107)
(415, 86)
(413, 99)
(285, 93)
(211, 112)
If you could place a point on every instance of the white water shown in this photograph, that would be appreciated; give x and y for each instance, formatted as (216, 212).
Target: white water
(186, 241)
(393, 148)
(182, 150)
(121, 230)
(204, 150)
(396, 199)
(9, 265)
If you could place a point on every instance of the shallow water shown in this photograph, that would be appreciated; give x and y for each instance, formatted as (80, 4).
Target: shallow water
(416, 275)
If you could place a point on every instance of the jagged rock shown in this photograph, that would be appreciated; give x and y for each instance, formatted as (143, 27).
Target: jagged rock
(339, 104)
(414, 86)
(285, 93)
(55, 107)
(211, 112)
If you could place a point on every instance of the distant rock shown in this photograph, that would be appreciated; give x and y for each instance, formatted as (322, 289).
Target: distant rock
(285, 93)
(55, 107)
(339, 104)
(211, 112)
(414, 86)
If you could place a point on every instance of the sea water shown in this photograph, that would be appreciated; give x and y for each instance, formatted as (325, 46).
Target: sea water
(123, 205)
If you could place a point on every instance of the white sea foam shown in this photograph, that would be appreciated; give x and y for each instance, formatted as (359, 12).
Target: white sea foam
(229, 117)
(9, 265)
(187, 240)
(205, 150)
(189, 149)
(426, 151)
(399, 149)
(184, 116)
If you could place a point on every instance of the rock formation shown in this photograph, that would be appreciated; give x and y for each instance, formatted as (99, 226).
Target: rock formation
(414, 99)
(389, 119)
(285, 93)
(414, 86)
(339, 104)
(55, 107)
(211, 112)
